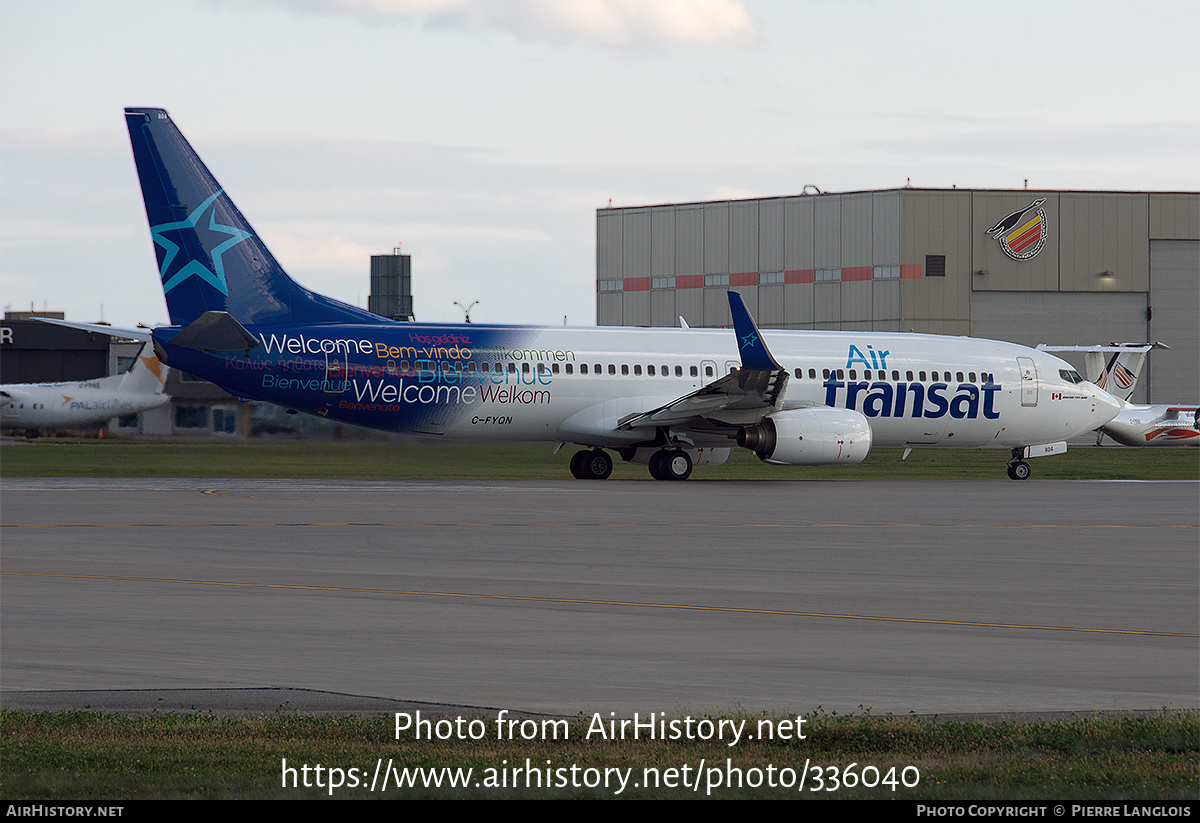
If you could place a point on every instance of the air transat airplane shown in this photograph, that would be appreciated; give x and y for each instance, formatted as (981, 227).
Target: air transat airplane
(33, 406)
(667, 398)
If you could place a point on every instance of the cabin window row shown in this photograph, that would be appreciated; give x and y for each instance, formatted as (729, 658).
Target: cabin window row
(909, 375)
(666, 370)
(488, 367)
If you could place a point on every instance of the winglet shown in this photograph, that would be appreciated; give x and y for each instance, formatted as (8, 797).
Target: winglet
(754, 351)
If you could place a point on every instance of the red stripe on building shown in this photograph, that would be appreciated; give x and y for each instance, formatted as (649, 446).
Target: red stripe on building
(743, 278)
(637, 284)
(910, 272)
(689, 281)
(852, 273)
(798, 276)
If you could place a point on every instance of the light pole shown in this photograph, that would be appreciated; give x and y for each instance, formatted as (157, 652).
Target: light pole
(467, 309)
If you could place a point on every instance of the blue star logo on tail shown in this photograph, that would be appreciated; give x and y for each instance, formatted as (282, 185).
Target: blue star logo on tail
(749, 341)
(194, 222)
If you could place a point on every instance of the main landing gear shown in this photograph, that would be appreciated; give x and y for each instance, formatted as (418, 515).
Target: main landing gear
(665, 464)
(670, 464)
(1018, 469)
(591, 464)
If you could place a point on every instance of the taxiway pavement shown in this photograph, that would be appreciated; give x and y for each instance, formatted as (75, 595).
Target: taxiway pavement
(565, 597)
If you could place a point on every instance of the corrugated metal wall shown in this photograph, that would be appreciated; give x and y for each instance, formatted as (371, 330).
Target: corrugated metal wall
(1175, 320)
(862, 261)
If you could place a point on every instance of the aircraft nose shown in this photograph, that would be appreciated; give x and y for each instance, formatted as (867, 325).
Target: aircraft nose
(1104, 406)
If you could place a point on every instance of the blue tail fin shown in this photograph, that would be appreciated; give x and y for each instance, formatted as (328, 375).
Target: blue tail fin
(209, 258)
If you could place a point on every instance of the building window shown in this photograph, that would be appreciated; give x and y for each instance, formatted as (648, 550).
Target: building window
(224, 420)
(611, 285)
(716, 279)
(662, 282)
(827, 275)
(128, 421)
(886, 272)
(935, 265)
(768, 278)
(191, 417)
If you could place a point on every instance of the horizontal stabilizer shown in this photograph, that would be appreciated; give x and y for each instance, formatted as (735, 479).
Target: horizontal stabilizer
(1118, 375)
(111, 331)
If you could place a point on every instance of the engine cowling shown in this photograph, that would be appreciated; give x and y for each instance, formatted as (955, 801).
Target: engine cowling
(809, 437)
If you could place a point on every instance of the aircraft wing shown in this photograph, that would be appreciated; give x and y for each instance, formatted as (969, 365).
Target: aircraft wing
(740, 397)
(746, 390)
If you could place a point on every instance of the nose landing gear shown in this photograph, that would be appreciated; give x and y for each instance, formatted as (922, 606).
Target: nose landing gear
(1018, 469)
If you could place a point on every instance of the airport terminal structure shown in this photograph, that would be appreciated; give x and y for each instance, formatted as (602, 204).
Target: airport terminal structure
(1029, 267)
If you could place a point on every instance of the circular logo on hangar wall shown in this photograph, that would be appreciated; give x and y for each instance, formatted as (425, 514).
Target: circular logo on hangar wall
(1023, 233)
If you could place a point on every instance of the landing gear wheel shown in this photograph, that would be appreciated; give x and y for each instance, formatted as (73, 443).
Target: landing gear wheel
(591, 464)
(656, 467)
(670, 465)
(577, 464)
(676, 465)
(1019, 470)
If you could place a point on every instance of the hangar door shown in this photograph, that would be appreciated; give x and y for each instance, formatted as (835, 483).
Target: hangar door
(1174, 309)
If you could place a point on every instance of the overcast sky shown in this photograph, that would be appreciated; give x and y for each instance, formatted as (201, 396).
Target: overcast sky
(484, 134)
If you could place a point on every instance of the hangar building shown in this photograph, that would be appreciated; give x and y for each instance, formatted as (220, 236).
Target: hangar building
(1055, 267)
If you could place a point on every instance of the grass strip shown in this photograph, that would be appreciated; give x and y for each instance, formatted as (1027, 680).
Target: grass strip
(96, 756)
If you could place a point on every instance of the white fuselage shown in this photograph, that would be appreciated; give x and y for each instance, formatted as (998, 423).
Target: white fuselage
(64, 405)
(573, 384)
(1155, 426)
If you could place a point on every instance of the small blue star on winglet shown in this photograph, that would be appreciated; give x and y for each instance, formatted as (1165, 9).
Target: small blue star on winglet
(750, 341)
(215, 276)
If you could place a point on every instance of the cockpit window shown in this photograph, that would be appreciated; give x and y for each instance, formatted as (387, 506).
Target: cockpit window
(1070, 375)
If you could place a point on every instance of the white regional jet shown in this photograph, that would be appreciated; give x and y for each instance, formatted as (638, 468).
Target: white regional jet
(668, 398)
(1135, 425)
(33, 406)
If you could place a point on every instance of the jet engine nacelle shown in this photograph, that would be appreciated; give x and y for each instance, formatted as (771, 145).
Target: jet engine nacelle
(809, 437)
